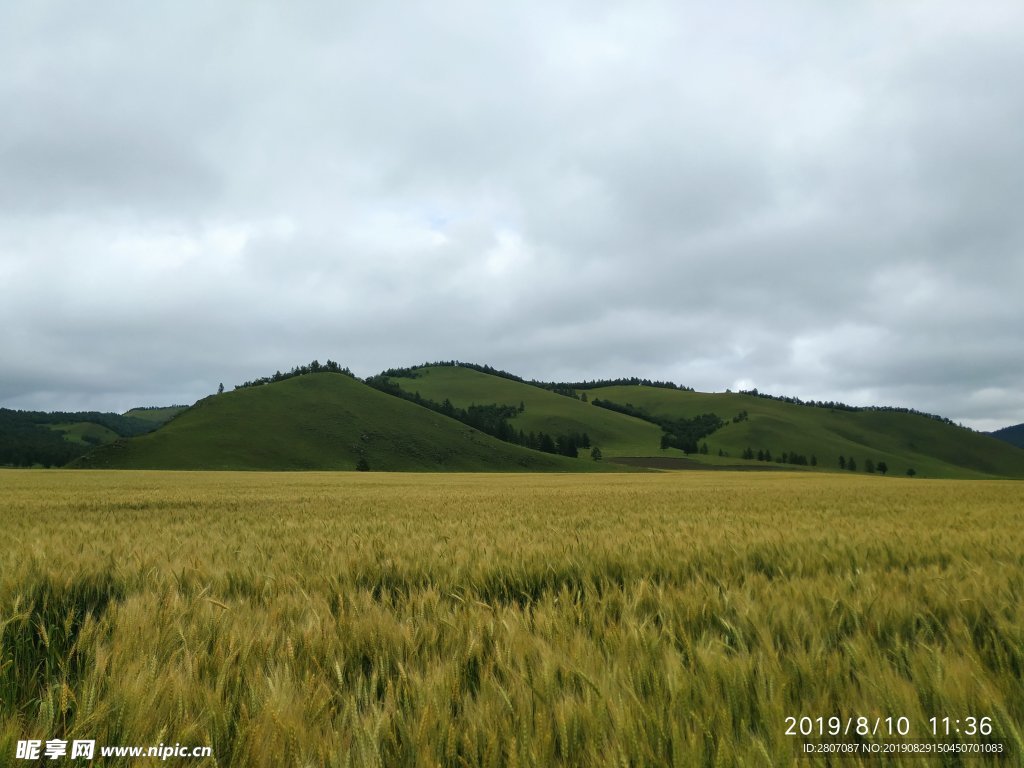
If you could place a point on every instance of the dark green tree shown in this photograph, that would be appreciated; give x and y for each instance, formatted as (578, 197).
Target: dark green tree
(566, 446)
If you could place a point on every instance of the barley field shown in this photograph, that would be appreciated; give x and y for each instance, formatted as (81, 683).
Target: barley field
(367, 619)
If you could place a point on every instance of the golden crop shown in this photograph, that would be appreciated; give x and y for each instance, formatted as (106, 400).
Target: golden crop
(379, 620)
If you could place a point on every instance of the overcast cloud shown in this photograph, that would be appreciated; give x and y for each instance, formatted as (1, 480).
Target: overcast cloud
(816, 199)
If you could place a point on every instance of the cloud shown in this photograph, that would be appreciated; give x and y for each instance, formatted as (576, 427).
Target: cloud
(813, 200)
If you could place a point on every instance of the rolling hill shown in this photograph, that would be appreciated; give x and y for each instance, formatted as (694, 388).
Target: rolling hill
(319, 421)
(544, 411)
(901, 440)
(323, 418)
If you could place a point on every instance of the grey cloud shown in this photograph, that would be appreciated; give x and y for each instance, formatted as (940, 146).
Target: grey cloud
(813, 200)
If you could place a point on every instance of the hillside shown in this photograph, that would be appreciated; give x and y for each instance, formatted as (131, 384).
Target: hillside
(324, 421)
(818, 436)
(1012, 435)
(316, 417)
(902, 440)
(53, 438)
(544, 411)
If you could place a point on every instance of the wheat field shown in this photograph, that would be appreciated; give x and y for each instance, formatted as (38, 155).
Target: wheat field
(367, 619)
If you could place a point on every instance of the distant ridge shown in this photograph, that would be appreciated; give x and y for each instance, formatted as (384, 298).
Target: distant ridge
(53, 438)
(454, 416)
(1013, 435)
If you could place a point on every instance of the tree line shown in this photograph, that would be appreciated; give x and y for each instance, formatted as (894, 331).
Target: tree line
(850, 464)
(682, 433)
(414, 372)
(300, 370)
(870, 466)
(834, 405)
(786, 457)
(569, 389)
(632, 381)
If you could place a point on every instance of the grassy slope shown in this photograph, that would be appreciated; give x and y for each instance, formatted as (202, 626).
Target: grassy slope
(901, 440)
(77, 432)
(318, 421)
(615, 433)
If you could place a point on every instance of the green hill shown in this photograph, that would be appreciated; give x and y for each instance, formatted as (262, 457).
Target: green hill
(325, 421)
(1013, 435)
(53, 438)
(903, 441)
(317, 417)
(544, 411)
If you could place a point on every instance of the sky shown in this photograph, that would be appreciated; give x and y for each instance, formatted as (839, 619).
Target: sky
(815, 199)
